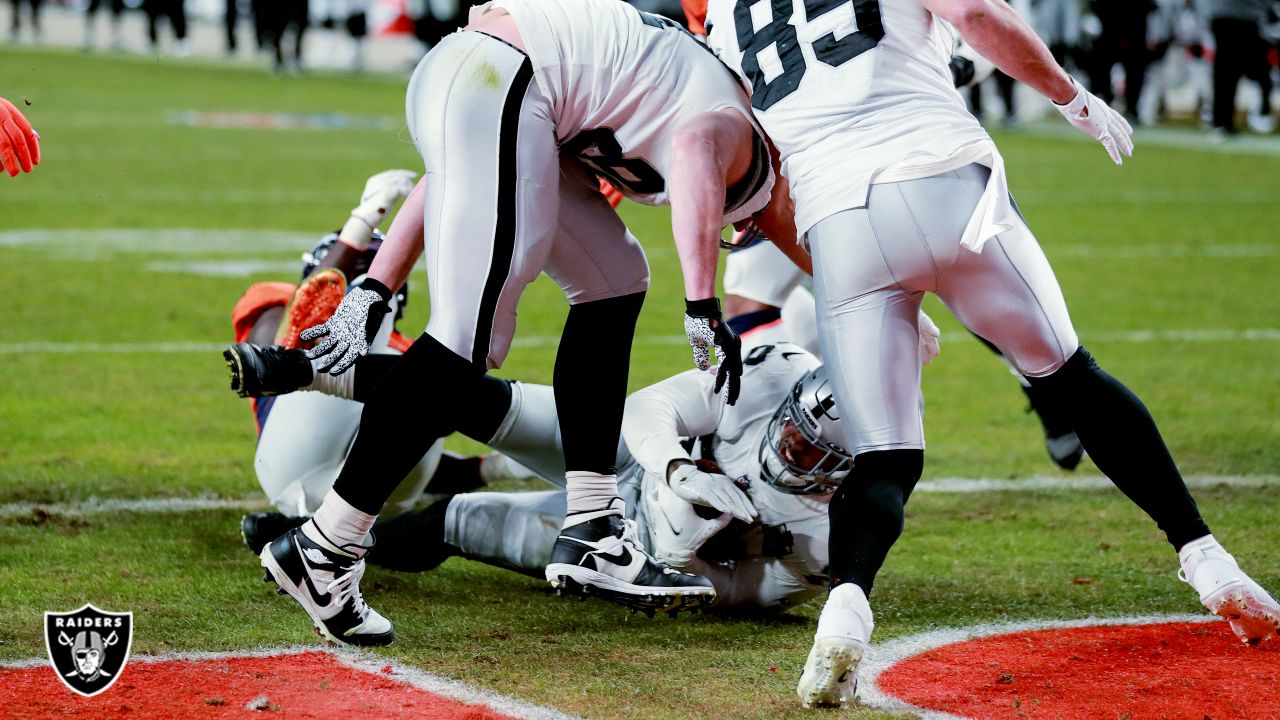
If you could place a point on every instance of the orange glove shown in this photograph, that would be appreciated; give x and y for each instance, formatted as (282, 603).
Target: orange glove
(19, 144)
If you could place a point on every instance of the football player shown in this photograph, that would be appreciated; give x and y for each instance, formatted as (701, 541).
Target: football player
(19, 144)
(515, 117)
(735, 493)
(899, 191)
(303, 438)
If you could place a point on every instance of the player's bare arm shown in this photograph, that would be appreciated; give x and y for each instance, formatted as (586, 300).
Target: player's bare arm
(710, 153)
(778, 219)
(403, 243)
(998, 33)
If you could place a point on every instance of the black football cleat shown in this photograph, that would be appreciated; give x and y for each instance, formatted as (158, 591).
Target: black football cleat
(265, 370)
(324, 578)
(260, 528)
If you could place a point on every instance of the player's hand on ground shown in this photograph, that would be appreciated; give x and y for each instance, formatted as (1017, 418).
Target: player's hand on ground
(381, 193)
(929, 334)
(19, 144)
(713, 490)
(706, 329)
(1096, 119)
(352, 327)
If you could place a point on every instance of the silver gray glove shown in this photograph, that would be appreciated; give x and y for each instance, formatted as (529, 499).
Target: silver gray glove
(352, 327)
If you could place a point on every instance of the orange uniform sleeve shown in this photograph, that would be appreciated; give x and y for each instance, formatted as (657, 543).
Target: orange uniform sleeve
(695, 11)
(259, 298)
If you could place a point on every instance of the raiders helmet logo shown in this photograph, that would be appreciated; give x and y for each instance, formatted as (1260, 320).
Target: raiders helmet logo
(88, 647)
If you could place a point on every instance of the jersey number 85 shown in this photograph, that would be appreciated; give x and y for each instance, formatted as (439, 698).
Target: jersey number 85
(780, 36)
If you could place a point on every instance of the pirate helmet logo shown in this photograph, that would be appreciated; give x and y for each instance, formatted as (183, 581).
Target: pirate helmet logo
(88, 647)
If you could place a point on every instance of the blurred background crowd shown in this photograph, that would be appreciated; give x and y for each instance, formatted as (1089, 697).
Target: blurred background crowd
(1211, 62)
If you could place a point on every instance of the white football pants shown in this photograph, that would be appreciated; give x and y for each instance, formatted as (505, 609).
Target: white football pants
(501, 204)
(872, 266)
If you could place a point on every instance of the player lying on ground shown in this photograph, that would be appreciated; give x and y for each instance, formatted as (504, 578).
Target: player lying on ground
(735, 493)
(899, 191)
(515, 116)
(303, 438)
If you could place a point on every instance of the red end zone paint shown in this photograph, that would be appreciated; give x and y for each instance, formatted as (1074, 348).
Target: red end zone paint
(1160, 671)
(298, 685)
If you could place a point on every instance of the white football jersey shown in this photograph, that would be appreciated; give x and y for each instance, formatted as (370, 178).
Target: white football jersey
(685, 406)
(622, 82)
(850, 91)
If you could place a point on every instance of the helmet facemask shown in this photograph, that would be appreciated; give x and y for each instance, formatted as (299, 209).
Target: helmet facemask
(798, 454)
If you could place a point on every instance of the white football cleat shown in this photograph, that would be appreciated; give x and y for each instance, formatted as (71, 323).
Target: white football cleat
(325, 580)
(598, 553)
(1226, 591)
(830, 677)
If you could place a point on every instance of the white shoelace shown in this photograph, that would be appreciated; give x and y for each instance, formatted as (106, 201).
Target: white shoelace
(347, 587)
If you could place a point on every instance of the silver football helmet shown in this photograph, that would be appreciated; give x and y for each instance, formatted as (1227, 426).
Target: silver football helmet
(802, 451)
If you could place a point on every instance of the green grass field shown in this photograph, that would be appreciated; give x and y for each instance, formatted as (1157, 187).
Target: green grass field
(1168, 264)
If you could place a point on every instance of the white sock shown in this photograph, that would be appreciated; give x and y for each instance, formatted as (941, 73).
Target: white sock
(847, 614)
(343, 386)
(589, 491)
(341, 523)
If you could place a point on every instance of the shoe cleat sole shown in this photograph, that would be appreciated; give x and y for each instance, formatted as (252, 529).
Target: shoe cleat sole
(1253, 619)
(650, 603)
(829, 690)
(232, 358)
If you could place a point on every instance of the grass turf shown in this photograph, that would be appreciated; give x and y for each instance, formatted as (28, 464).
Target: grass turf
(1146, 247)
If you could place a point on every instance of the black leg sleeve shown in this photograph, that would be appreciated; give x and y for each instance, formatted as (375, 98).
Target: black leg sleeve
(420, 400)
(1123, 441)
(478, 418)
(591, 380)
(867, 514)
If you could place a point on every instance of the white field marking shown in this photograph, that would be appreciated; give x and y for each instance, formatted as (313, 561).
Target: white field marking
(1034, 484)
(166, 241)
(362, 662)
(141, 505)
(226, 268)
(882, 656)
(1162, 251)
(258, 241)
(1179, 138)
(127, 348)
(540, 341)
(1038, 483)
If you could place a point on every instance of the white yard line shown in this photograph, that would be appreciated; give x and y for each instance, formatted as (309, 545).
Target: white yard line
(367, 663)
(881, 657)
(95, 505)
(1039, 483)
(540, 341)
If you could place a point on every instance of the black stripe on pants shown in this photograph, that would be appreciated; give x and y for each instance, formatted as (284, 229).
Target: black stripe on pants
(504, 232)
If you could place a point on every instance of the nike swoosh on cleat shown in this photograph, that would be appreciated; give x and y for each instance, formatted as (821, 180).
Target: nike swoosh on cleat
(321, 598)
(622, 557)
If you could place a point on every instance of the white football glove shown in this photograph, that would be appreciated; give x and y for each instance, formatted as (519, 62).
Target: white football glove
(929, 334)
(352, 327)
(711, 489)
(381, 193)
(1096, 119)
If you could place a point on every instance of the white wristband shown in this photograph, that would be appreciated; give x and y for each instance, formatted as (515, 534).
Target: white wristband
(356, 233)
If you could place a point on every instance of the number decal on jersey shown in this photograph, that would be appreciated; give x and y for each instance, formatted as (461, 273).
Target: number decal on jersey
(602, 151)
(779, 36)
(758, 354)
